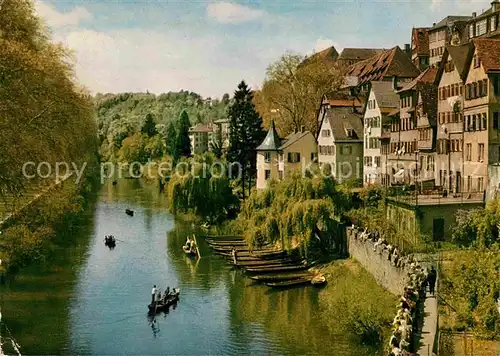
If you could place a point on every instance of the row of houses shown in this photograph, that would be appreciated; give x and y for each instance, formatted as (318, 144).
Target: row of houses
(426, 117)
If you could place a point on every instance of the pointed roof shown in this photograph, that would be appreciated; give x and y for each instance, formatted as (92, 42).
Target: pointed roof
(272, 142)
(292, 138)
(461, 56)
(341, 121)
(428, 76)
(384, 94)
(328, 54)
(488, 51)
(392, 62)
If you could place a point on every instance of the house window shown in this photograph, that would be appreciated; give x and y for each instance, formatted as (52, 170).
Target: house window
(313, 156)
(469, 152)
(480, 153)
(477, 61)
(484, 123)
(267, 156)
(293, 157)
(377, 161)
(471, 30)
(325, 133)
(481, 27)
(268, 174)
(493, 23)
(469, 183)
(368, 161)
(480, 184)
(485, 87)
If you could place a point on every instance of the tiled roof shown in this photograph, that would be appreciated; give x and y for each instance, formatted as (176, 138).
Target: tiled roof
(359, 53)
(201, 128)
(420, 37)
(392, 62)
(272, 142)
(461, 57)
(428, 76)
(328, 54)
(341, 98)
(343, 119)
(384, 94)
(291, 139)
(449, 20)
(488, 51)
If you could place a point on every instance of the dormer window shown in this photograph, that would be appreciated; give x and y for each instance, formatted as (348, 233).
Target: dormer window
(350, 132)
(477, 61)
(493, 23)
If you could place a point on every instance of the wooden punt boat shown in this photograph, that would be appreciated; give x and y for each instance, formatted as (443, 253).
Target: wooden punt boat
(226, 243)
(224, 238)
(162, 306)
(276, 269)
(263, 263)
(129, 212)
(289, 283)
(318, 280)
(240, 249)
(280, 277)
(253, 256)
(110, 241)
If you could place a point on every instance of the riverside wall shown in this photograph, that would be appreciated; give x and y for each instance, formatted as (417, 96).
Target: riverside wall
(376, 261)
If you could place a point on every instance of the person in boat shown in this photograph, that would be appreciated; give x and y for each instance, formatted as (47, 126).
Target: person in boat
(153, 294)
(188, 242)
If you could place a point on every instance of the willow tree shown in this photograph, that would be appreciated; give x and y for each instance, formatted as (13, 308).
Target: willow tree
(201, 186)
(44, 115)
(292, 211)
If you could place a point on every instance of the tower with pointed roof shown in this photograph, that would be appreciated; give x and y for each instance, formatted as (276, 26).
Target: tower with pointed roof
(267, 157)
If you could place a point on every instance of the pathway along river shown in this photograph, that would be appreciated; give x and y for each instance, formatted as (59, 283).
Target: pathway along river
(92, 300)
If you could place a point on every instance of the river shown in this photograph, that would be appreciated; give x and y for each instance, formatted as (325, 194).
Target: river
(92, 300)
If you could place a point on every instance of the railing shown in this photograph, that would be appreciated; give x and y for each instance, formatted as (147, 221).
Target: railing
(438, 198)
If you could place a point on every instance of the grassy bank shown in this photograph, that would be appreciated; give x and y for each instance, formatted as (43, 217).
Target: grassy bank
(364, 309)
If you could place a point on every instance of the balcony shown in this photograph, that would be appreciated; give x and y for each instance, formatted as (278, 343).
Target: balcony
(437, 197)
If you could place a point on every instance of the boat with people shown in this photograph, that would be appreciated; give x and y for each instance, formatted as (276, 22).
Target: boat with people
(165, 301)
(191, 247)
(110, 241)
(129, 212)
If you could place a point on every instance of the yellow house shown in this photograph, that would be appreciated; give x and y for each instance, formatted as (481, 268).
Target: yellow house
(276, 157)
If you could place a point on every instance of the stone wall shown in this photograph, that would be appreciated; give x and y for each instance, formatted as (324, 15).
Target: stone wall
(377, 263)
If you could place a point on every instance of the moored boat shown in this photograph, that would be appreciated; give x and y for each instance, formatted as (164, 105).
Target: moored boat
(280, 277)
(129, 212)
(318, 280)
(110, 241)
(289, 283)
(163, 305)
(276, 269)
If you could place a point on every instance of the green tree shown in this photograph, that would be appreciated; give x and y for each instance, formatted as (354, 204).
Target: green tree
(149, 126)
(171, 141)
(183, 144)
(245, 125)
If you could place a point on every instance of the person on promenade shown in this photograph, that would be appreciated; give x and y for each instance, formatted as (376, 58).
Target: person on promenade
(431, 280)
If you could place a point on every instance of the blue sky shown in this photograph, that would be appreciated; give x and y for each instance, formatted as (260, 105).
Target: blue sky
(209, 46)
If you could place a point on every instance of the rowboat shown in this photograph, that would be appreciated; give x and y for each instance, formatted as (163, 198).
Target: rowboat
(226, 243)
(265, 263)
(276, 269)
(163, 305)
(129, 212)
(289, 283)
(256, 255)
(110, 241)
(224, 238)
(318, 280)
(280, 277)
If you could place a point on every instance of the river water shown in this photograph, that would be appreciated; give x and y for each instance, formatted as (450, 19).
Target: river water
(93, 300)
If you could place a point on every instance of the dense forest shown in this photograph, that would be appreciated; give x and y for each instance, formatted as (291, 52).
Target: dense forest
(129, 115)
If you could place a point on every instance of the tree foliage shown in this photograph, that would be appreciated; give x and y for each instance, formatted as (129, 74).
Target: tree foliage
(245, 125)
(201, 186)
(44, 115)
(183, 143)
(291, 92)
(471, 285)
(122, 115)
(478, 227)
(149, 126)
(290, 211)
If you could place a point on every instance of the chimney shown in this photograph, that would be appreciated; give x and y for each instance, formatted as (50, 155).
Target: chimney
(474, 14)
(395, 82)
(495, 5)
(408, 49)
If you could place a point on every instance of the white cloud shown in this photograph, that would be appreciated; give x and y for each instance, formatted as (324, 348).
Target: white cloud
(228, 13)
(58, 19)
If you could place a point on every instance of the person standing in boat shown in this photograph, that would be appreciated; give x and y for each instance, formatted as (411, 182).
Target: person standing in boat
(233, 252)
(153, 294)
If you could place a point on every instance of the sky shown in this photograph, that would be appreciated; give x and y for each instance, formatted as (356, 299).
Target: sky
(210, 46)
